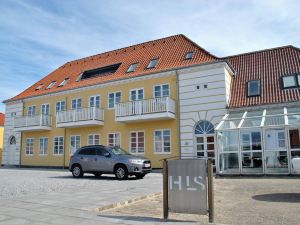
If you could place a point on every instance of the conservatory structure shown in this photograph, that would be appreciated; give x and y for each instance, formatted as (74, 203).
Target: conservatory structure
(261, 141)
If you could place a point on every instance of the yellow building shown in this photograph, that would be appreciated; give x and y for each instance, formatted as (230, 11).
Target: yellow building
(126, 97)
(1, 134)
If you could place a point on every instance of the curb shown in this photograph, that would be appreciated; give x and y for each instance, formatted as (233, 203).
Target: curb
(127, 202)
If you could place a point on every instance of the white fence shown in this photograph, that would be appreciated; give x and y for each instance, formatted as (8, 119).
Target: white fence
(34, 120)
(81, 114)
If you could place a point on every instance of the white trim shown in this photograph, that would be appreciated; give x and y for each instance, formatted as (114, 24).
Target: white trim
(35, 112)
(60, 106)
(76, 102)
(33, 140)
(43, 146)
(153, 89)
(154, 142)
(94, 96)
(114, 133)
(137, 153)
(114, 92)
(136, 90)
(70, 146)
(58, 149)
(88, 137)
(41, 108)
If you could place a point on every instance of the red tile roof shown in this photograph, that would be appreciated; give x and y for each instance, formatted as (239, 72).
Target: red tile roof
(2, 117)
(170, 51)
(268, 66)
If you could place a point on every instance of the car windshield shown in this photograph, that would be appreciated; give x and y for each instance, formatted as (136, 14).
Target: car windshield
(119, 151)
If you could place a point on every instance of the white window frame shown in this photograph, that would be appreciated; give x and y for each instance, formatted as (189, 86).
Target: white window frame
(95, 96)
(29, 147)
(129, 70)
(258, 81)
(51, 84)
(151, 67)
(136, 91)
(114, 93)
(161, 90)
(60, 104)
(137, 153)
(30, 110)
(76, 99)
(76, 147)
(45, 105)
(114, 139)
(93, 135)
(43, 148)
(64, 82)
(162, 142)
(63, 146)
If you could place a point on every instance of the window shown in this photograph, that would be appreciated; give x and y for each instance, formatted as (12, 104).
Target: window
(13, 114)
(161, 91)
(74, 143)
(294, 138)
(29, 146)
(87, 151)
(94, 101)
(132, 67)
(137, 94)
(43, 146)
(114, 98)
(94, 139)
(103, 71)
(39, 87)
(204, 127)
(76, 103)
(51, 84)
(58, 146)
(64, 82)
(60, 106)
(114, 139)
(290, 81)
(45, 109)
(253, 88)
(152, 63)
(251, 140)
(12, 140)
(137, 142)
(189, 55)
(162, 141)
(31, 110)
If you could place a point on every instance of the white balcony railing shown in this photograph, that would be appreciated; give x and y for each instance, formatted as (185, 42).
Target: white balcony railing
(34, 122)
(145, 107)
(81, 116)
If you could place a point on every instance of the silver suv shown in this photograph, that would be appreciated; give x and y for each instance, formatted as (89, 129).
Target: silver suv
(99, 159)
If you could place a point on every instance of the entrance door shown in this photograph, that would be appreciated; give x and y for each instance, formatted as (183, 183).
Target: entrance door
(276, 155)
(11, 151)
(205, 146)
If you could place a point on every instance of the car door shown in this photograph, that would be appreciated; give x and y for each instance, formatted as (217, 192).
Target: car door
(86, 158)
(104, 161)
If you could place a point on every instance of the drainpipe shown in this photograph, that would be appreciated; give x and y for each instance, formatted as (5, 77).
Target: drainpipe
(65, 137)
(21, 146)
(178, 112)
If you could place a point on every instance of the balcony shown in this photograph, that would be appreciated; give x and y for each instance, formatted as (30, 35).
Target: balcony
(146, 110)
(80, 117)
(33, 123)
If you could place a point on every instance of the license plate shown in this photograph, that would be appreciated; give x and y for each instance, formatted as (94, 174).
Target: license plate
(147, 165)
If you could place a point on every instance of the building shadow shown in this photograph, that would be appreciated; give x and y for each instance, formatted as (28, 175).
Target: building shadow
(144, 219)
(91, 177)
(278, 197)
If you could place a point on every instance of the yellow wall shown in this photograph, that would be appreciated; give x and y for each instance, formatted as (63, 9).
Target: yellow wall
(110, 125)
(1, 142)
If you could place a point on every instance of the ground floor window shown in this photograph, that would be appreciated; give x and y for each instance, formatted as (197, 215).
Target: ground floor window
(43, 146)
(58, 146)
(29, 146)
(162, 141)
(114, 139)
(137, 142)
(94, 139)
(74, 143)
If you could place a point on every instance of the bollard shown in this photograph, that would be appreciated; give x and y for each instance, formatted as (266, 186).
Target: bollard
(210, 191)
(165, 190)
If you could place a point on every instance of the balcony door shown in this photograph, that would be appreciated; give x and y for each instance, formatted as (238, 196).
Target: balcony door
(135, 96)
(94, 104)
(45, 111)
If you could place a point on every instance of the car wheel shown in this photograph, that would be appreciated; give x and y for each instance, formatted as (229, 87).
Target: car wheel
(97, 174)
(77, 171)
(140, 176)
(121, 173)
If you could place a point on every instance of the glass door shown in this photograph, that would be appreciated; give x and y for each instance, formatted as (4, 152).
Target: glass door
(205, 145)
(276, 155)
(135, 96)
(251, 152)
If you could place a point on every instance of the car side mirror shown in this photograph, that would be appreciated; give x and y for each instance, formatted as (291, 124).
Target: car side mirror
(107, 154)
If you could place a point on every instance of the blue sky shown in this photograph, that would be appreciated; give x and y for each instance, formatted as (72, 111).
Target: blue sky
(37, 36)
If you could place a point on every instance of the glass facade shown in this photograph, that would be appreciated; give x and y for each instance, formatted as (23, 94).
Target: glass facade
(259, 141)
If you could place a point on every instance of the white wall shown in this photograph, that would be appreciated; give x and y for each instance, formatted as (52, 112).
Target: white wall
(11, 158)
(201, 104)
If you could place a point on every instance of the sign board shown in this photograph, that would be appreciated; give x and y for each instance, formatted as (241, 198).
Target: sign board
(187, 186)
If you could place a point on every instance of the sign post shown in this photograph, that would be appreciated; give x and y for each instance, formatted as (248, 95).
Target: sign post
(188, 187)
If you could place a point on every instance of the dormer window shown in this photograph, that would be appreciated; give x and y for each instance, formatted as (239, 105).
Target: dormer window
(51, 85)
(132, 67)
(64, 82)
(189, 55)
(253, 88)
(100, 72)
(152, 63)
(291, 81)
(39, 87)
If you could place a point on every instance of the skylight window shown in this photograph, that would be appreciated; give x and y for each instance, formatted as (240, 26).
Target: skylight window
(189, 55)
(152, 63)
(253, 88)
(64, 82)
(132, 67)
(39, 87)
(291, 81)
(102, 71)
(51, 84)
